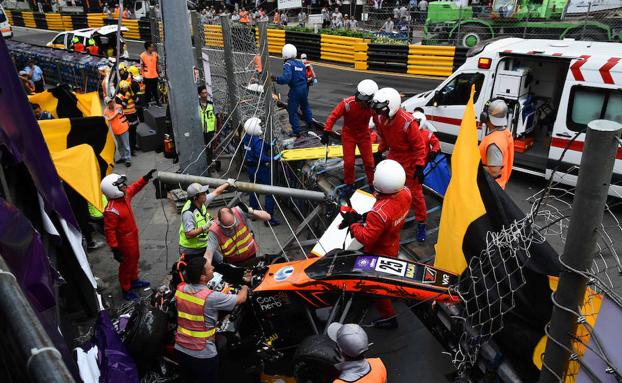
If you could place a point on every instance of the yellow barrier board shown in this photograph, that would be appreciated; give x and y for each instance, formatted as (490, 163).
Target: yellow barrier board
(316, 153)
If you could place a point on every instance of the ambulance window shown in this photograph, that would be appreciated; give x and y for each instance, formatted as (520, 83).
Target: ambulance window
(588, 104)
(458, 90)
(60, 39)
(2, 17)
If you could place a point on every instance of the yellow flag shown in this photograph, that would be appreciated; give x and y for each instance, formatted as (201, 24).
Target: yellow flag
(463, 203)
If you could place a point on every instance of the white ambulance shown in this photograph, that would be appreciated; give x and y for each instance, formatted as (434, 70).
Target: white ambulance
(5, 28)
(553, 88)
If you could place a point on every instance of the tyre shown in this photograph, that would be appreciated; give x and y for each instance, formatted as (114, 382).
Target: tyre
(471, 35)
(315, 359)
(589, 34)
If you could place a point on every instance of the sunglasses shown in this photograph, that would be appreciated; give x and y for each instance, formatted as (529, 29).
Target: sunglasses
(121, 181)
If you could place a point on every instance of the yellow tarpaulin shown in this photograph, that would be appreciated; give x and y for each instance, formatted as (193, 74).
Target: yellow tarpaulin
(88, 103)
(463, 203)
(79, 168)
(317, 153)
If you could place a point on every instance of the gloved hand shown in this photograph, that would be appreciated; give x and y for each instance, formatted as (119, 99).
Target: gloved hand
(149, 175)
(277, 157)
(116, 254)
(349, 218)
(346, 209)
(419, 174)
(315, 81)
(377, 158)
(231, 182)
(206, 226)
(324, 139)
(432, 156)
(242, 206)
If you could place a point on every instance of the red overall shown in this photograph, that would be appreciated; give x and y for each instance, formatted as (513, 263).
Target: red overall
(401, 136)
(380, 234)
(121, 232)
(355, 133)
(432, 144)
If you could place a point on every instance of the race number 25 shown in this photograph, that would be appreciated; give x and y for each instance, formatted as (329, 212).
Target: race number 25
(391, 266)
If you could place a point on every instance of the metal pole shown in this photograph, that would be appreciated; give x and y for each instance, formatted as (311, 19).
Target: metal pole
(232, 90)
(185, 180)
(44, 362)
(587, 14)
(599, 155)
(183, 100)
(197, 37)
(265, 77)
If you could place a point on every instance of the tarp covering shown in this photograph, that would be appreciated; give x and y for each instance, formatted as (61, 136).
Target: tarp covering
(64, 133)
(88, 104)
(79, 168)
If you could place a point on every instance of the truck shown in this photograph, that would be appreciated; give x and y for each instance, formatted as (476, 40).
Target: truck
(553, 89)
(466, 26)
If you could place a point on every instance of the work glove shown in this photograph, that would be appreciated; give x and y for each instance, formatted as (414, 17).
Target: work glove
(242, 206)
(206, 226)
(315, 81)
(231, 182)
(349, 218)
(432, 156)
(277, 157)
(419, 174)
(116, 254)
(346, 209)
(149, 175)
(324, 139)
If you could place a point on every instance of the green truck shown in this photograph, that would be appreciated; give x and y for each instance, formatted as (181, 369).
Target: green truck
(449, 22)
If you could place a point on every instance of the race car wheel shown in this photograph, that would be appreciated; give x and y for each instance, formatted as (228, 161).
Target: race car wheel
(314, 360)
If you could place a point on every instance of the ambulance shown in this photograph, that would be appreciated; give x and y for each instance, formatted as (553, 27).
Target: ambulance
(553, 89)
(5, 27)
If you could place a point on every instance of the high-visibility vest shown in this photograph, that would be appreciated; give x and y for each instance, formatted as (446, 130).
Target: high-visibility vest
(377, 373)
(191, 330)
(141, 89)
(78, 47)
(118, 123)
(244, 17)
(130, 104)
(93, 49)
(505, 142)
(208, 118)
(241, 246)
(94, 213)
(201, 218)
(150, 65)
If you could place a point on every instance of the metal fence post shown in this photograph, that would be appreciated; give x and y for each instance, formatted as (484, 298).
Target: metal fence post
(587, 14)
(232, 90)
(198, 38)
(599, 154)
(459, 27)
(265, 77)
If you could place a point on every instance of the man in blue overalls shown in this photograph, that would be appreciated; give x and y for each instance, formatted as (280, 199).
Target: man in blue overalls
(258, 157)
(294, 74)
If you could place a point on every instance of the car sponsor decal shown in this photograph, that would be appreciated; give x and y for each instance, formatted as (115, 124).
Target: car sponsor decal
(283, 273)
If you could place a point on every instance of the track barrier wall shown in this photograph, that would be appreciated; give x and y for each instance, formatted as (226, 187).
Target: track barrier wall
(428, 60)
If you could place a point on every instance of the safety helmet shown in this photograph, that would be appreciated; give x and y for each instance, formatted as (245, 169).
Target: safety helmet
(252, 126)
(122, 66)
(365, 90)
(124, 84)
(289, 51)
(420, 118)
(75, 39)
(303, 56)
(91, 42)
(110, 185)
(138, 78)
(133, 70)
(498, 112)
(387, 101)
(389, 177)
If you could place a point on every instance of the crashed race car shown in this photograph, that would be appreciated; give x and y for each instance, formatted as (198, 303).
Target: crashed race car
(278, 330)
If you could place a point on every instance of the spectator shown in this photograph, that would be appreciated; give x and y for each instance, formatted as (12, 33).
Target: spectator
(403, 12)
(284, 18)
(276, 19)
(235, 16)
(302, 17)
(41, 114)
(338, 16)
(35, 74)
(387, 26)
(396, 13)
(28, 86)
(244, 16)
(353, 23)
(325, 17)
(377, 4)
(423, 10)
(346, 21)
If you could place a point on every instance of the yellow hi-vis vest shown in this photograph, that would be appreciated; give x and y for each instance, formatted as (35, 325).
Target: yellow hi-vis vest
(208, 118)
(191, 330)
(201, 218)
(96, 214)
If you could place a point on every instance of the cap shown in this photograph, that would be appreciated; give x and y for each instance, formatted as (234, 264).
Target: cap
(196, 188)
(498, 113)
(351, 338)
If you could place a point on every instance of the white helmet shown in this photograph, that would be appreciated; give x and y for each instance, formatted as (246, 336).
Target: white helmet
(389, 177)
(289, 51)
(387, 101)
(252, 126)
(421, 118)
(365, 90)
(110, 186)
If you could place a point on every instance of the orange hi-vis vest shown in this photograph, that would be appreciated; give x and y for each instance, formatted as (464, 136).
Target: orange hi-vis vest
(377, 373)
(118, 123)
(244, 17)
(505, 142)
(93, 49)
(150, 65)
(191, 330)
(241, 246)
(78, 47)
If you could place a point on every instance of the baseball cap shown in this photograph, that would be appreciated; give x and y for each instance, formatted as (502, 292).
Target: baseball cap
(351, 338)
(498, 113)
(196, 188)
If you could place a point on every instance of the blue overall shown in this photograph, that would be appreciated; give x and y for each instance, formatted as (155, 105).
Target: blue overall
(258, 168)
(295, 75)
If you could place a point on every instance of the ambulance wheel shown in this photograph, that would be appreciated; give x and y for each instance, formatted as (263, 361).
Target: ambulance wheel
(314, 360)
(590, 34)
(471, 35)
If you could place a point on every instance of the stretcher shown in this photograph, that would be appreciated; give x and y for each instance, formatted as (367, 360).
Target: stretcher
(316, 153)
